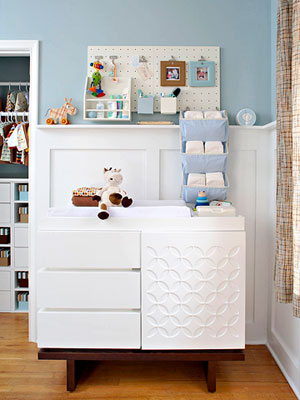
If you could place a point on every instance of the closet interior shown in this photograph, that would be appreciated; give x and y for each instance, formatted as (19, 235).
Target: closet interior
(14, 188)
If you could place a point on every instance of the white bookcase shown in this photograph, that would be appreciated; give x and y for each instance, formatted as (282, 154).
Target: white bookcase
(10, 285)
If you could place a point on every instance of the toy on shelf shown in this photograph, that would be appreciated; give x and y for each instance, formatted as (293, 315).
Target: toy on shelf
(60, 114)
(95, 88)
(111, 195)
(201, 200)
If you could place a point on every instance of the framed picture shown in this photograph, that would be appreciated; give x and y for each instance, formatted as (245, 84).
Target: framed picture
(172, 73)
(202, 73)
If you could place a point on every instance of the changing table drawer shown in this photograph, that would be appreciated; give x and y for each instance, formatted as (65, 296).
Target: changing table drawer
(89, 289)
(89, 329)
(88, 249)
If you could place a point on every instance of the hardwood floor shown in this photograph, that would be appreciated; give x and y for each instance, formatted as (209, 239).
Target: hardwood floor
(23, 377)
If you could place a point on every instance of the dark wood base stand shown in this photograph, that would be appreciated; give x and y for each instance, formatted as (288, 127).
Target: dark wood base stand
(74, 358)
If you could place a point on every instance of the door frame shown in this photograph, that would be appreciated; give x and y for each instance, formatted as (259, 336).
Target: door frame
(29, 48)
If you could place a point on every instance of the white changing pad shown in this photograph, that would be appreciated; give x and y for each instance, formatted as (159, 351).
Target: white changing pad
(139, 209)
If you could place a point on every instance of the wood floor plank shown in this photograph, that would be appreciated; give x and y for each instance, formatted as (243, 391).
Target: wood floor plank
(24, 377)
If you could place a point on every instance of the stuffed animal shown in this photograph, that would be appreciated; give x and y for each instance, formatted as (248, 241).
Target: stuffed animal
(111, 195)
(60, 114)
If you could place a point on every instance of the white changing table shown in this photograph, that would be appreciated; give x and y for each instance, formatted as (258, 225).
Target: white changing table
(168, 284)
(129, 288)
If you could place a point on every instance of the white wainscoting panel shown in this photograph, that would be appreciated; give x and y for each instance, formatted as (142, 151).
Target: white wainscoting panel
(170, 178)
(85, 168)
(150, 160)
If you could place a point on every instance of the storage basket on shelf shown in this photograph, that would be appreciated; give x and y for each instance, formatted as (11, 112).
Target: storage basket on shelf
(213, 133)
(4, 257)
(22, 279)
(4, 235)
(23, 192)
(22, 301)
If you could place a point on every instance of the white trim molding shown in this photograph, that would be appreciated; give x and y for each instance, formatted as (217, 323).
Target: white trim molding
(28, 48)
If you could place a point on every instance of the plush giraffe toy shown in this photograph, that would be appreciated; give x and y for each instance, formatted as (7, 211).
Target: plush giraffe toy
(111, 195)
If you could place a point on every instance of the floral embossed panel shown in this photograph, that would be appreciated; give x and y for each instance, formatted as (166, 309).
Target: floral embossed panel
(193, 290)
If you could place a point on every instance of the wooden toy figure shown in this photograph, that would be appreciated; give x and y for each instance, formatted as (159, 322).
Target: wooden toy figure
(201, 200)
(96, 80)
(60, 114)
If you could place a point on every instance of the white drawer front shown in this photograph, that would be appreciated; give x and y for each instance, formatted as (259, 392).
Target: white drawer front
(88, 329)
(5, 192)
(90, 249)
(21, 237)
(5, 213)
(198, 281)
(5, 280)
(21, 257)
(89, 289)
(4, 301)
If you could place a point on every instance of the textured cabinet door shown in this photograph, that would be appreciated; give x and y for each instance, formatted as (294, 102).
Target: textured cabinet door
(193, 290)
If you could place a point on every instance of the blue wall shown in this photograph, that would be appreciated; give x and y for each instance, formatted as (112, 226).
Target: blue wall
(66, 27)
(273, 56)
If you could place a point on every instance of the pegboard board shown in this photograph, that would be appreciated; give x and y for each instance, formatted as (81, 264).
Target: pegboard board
(196, 98)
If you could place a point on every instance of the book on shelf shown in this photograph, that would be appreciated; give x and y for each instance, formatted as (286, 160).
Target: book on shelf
(22, 275)
(23, 188)
(23, 296)
(4, 252)
(23, 210)
(4, 231)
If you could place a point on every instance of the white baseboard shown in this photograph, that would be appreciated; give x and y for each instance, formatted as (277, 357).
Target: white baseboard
(286, 362)
(256, 342)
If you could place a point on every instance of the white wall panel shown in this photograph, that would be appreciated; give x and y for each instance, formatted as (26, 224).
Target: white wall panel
(151, 164)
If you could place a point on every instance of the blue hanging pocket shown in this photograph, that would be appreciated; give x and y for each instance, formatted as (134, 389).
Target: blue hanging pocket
(204, 163)
(204, 129)
(190, 193)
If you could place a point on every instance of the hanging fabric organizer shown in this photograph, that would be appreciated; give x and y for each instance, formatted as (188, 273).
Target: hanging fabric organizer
(212, 130)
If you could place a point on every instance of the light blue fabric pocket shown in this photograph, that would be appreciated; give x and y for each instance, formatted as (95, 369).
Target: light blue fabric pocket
(204, 129)
(204, 163)
(189, 194)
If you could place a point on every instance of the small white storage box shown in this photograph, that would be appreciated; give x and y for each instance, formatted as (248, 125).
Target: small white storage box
(21, 257)
(5, 301)
(168, 105)
(4, 213)
(5, 192)
(215, 211)
(21, 237)
(5, 280)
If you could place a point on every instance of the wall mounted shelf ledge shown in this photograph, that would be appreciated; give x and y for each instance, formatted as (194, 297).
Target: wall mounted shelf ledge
(104, 126)
(270, 126)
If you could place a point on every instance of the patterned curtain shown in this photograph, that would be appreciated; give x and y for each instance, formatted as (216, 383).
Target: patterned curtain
(287, 263)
